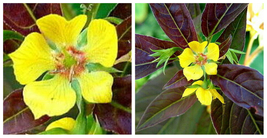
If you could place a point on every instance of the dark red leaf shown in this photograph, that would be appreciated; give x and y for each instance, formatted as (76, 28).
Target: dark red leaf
(176, 22)
(112, 118)
(18, 18)
(122, 10)
(18, 118)
(242, 85)
(219, 15)
(237, 29)
(124, 46)
(168, 104)
(178, 80)
(143, 46)
(233, 119)
(124, 29)
(225, 45)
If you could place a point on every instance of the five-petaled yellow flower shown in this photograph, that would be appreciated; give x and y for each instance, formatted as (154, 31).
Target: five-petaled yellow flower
(67, 62)
(205, 96)
(198, 57)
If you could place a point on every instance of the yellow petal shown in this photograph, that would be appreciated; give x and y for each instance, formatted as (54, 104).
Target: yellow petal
(211, 68)
(66, 123)
(197, 47)
(102, 43)
(193, 72)
(204, 96)
(213, 51)
(60, 31)
(217, 95)
(186, 58)
(189, 91)
(96, 86)
(32, 58)
(51, 97)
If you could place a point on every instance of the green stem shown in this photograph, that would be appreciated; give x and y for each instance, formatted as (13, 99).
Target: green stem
(117, 105)
(30, 11)
(253, 55)
(125, 69)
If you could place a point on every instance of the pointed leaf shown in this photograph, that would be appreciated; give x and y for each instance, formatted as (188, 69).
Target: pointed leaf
(218, 16)
(124, 29)
(176, 22)
(18, 118)
(178, 80)
(237, 29)
(242, 85)
(143, 46)
(233, 119)
(122, 10)
(168, 104)
(225, 45)
(22, 17)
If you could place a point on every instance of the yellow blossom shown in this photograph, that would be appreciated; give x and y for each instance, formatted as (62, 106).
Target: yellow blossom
(66, 123)
(66, 62)
(198, 57)
(204, 96)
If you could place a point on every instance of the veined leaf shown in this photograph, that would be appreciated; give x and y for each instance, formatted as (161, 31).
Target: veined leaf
(242, 85)
(225, 45)
(176, 22)
(124, 29)
(178, 80)
(218, 16)
(143, 46)
(168, 104)
(233, 119)
(18, 118)
(122, 10)
(237, 29)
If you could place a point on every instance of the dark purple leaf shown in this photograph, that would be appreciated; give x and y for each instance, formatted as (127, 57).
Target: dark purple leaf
(124, 29)
(176, 22)
(122, 10)
(233, 119)
(178, 80)
(168, 104)
(18, 118)
(124, 46)
(225, 45)
(242, 85)
(237, 29)
(112, 118)
(143, 46)
(219, 15)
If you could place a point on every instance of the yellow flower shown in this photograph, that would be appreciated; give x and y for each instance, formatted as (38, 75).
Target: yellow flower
(205, 96)
(202, 57)
(66, 123)
(67, 61)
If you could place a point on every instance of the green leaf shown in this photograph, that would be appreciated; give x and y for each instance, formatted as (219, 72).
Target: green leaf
(114, 20)
(99, 67)
(105, 9)
(55, 131)
(229, 56)
(93, 126)
(8, 34)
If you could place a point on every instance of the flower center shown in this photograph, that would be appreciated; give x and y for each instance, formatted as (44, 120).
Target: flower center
(70, 63)
(201, 59)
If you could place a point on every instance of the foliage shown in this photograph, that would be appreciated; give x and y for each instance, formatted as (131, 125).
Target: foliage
(165, 111)
(114, 117)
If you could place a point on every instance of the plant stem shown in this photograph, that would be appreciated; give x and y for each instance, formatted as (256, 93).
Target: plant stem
(253, 55)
